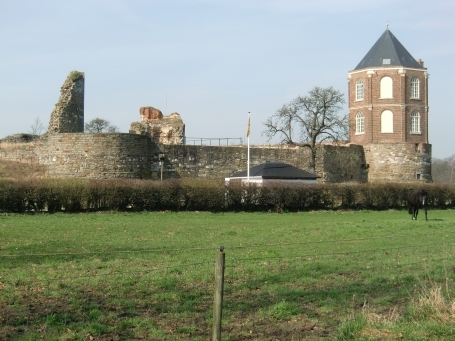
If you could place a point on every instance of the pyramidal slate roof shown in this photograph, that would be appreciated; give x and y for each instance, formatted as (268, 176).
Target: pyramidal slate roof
(277, 170)
(388, 51)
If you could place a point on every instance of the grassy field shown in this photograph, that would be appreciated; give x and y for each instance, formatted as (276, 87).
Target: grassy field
(359, 275)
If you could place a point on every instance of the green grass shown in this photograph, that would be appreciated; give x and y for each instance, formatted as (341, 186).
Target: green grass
(312, 275)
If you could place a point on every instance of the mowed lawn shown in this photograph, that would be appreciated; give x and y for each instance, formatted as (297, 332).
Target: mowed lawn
(308, 275)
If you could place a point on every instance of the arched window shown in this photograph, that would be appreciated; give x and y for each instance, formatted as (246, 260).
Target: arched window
(415, 122)
(387, 122)
(415, 87)
(359, 90)
(360, 123)
(386, 87)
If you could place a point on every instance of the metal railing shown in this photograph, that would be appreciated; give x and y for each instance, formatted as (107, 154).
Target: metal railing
(213, 141)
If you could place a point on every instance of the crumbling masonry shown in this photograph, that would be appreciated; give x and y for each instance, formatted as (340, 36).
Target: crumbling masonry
(68, 152)
(68, 114)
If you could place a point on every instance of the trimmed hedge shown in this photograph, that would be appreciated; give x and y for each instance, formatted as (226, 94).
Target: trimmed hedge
(71, 195)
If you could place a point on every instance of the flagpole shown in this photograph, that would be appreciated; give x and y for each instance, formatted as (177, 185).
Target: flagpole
(248, 161)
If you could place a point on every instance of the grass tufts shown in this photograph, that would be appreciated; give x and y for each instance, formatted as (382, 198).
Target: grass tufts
(430, 314)
(433, 305)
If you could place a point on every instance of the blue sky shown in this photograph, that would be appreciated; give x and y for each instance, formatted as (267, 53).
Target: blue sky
(210, 61)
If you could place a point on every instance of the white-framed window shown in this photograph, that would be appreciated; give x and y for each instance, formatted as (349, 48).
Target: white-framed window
(387, 121)
(386, 87)
(415, 87)
(415, 122)
(359, 90)
(360, 123)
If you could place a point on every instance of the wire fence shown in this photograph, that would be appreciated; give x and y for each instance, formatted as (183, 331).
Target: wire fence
(276, 292)
(297, 293)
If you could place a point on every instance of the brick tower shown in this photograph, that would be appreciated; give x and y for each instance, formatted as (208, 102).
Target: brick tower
(388, 113)
(388, 96)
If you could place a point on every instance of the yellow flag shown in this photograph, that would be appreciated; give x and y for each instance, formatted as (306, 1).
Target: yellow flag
(248, 128)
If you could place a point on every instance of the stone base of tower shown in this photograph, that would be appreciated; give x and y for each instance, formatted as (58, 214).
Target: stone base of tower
(398, 162)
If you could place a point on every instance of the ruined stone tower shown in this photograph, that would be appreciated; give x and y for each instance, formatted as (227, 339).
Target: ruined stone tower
(168, 129)
(388, 112)
(68, 114)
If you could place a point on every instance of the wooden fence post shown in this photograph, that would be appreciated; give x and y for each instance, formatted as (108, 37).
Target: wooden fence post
(218, 301)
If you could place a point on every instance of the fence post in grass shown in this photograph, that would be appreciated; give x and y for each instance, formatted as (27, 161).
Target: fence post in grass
(218, 301)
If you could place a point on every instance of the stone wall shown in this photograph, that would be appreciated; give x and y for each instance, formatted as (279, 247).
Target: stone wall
(68, 114)
(116, 155)
(344, 164)
(398, 162)
(334, 163)
(84, 155)
(211, 162)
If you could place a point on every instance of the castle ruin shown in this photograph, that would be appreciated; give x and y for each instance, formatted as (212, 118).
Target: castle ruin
(388, 116)
(68, 114)
(161, 129)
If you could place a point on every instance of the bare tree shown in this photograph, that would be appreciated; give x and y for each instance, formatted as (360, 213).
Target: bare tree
(113, 129)
(452, 173)
(310, 120)
(443, 170)
(37, 127)
(99, 125)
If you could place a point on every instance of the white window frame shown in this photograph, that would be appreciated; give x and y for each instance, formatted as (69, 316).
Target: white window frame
(415, 87)
(359, 90)
(415, 122)
(387, 121)
(386, 87)
(359, 123)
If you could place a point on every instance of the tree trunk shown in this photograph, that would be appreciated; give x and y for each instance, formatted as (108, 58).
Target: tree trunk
(312, 164)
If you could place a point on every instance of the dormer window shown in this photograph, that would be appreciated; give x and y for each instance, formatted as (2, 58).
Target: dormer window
(386, 61)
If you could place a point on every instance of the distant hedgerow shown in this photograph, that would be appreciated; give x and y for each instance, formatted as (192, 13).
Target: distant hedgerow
(75, 195)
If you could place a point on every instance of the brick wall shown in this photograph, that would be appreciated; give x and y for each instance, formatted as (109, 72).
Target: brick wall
(401, 105)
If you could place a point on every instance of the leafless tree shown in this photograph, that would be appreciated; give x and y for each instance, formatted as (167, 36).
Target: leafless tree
(99, 125)
(310, 120)
(113, 129)
(443, 170)
(452, 173)
(37, 127)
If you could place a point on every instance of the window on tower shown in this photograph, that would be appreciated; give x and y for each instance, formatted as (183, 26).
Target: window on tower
(387, 122)
(415, 87)
(386, 87)
(415, 122)
(360, 123)
(359, 90)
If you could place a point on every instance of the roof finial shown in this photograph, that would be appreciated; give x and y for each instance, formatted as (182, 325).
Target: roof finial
(387, 25)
